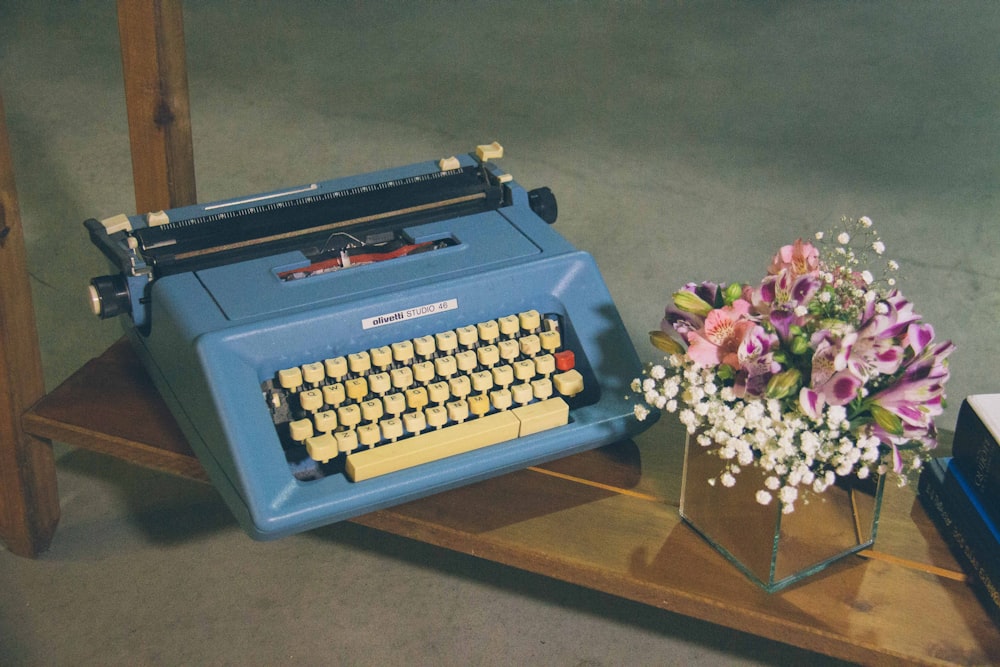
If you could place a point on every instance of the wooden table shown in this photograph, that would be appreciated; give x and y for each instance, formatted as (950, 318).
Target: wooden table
(607, 520)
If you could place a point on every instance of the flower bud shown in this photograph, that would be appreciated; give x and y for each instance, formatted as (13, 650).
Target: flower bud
(662, 341)
(799, 345)
(732, 292)
(784, 383)
(690, 302)
(887, 420)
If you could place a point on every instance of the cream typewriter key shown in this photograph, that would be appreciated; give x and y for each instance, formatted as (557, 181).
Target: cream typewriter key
(359, 362)
(300, 429)
(524, 370)
(334, 394)
(379, 383)
(503, 376)
(347, 441)
(402, 378)
(569, 383)
(423, 372)
(467, 336)
(541, 388)
(482, 381)
(417, 398)
(522, 393)
(530, 345)
(446, 341)
(424, 346)
(489, 331)
(466, 360)
(509, 325)
(395, 404)
(509, 349)
(501, 399)
(460, 386)
(325, 421)
(414, 422)
(313, 373)
(369, 435)
(436, 416)
(402, 351)
(489, 355)
(349, 416)
(545, 364)
(322, 447)
(357, 388)
(392, 429)
(438, 392)
(381, 357)
(311, 400)
(445, 366)
(336, 368)
(458, 411)
(551, 340)
(290, 378)
(478, 405)
(372, 410)
(530, 320)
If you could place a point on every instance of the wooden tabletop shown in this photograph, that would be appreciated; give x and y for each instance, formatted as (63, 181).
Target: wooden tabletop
(608, 520)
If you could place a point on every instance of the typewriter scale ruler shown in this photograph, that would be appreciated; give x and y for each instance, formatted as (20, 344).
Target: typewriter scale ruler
(185, 241)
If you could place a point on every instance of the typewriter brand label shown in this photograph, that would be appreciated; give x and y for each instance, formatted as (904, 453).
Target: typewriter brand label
(409, 313)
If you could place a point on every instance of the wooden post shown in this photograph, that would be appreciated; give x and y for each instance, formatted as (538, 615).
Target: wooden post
(156, 96)
(29, 500)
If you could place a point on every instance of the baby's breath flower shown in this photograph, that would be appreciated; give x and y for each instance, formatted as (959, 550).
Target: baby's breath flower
(733, 410)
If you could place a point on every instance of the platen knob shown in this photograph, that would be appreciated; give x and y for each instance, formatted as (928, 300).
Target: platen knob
(109, 296)
(543, 203)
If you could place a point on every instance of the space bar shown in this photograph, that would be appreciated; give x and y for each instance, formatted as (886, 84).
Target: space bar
(457, 439)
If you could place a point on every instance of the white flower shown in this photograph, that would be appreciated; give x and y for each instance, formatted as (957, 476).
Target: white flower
(728, 480)
(641, 412)
(763, 497)
(878, 247)
(772, 483)
(843, 238)
(867, 277)
(657, 372)
(865, 221)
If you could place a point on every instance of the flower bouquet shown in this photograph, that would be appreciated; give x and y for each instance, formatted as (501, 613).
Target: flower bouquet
(822, 371)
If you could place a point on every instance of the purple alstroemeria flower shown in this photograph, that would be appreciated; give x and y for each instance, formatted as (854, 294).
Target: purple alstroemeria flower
(756, 363)
(918, 396)
(780, 295)
(831, 377)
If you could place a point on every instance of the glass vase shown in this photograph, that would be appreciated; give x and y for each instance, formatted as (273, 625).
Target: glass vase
(771, 548)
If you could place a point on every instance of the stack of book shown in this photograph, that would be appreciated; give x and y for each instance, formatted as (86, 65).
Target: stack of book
(961, 493)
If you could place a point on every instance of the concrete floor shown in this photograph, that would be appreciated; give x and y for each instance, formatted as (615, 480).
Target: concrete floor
(684, 141)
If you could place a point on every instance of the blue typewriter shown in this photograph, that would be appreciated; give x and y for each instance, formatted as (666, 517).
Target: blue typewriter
(344, 346)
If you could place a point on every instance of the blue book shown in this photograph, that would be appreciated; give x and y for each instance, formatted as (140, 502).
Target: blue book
(952, 504)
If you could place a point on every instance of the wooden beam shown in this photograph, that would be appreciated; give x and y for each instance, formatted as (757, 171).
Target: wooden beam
(156, 97)
(29, 500)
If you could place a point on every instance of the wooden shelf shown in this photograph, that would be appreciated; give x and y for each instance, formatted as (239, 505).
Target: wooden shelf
(607, 520)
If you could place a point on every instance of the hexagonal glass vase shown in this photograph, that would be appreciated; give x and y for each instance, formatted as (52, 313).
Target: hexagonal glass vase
(773, 549)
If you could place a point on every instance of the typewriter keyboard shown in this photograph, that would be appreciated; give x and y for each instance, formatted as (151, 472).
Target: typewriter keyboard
(418, 400)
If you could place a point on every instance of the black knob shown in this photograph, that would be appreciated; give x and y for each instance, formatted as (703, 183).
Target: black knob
(109, 296)
(543, 203)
